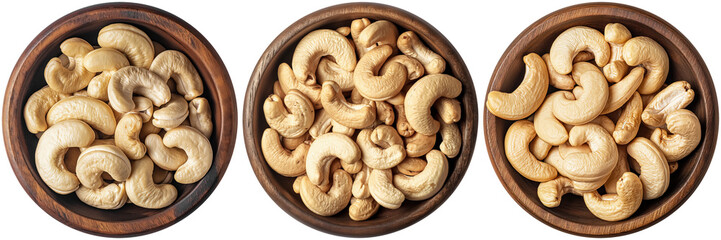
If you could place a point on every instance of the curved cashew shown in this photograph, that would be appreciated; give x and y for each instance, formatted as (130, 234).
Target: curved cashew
(321, 125)
(352, 115)
(580, 68)
(574, 40)
(516, 143)
(402, 124)
(360, 183)
(596, 165)
(587, 106)
(362, 208)
(293, 143)
(629, 121)
(356, 27)
(676, 96)
(174, 64)
(127, 136)
(288, 81)
(414, 68)
(200, 115)
(147, 129)
(104, 59)
(131, 41)
(545, 123)
(411, 166)
(95, 160)
(647, 52)
(538, 148)
(284, 162)
(324, 150)
(172, 113)
(380, 157)
(557, 80)
(426, 183)
(449, 110)
(277, 89)
(111, 196)
(423, 94)
(654, 172)
(37, 107)
(72, 76)
(143, 192)
(98, 86)
(605, 122)
(419, 144)
(410, 44)
(327, 204)
(196, 147)
(129, 80)
(620, 92)
(166, 158)
(144, 107)
(51, 150)
(384, 112)
(378, 33)
(619, 206)
(551, 192)
(293, 121)
(382, 189)
(618, 171)
(345, 31)
(527, 97)
(685, 135)
(331, 71)
(94, 112)
(319, 43)
(379, 88)
(451, 144)
(616, 35)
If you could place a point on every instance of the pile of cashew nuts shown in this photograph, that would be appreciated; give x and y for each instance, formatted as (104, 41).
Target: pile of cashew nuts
(338, 89)
(587, 134)
(112, 125)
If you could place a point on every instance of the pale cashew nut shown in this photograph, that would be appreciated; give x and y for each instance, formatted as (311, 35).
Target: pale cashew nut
(402, 124)
(410, 44)
(343, 30)
(288, 81)
(319, 43)
(376, 34)
(518, 137)
(616, 35)
(37, 107)
(321, 125)
(618, 171)
(362, 208)
(324, 150)
(360, 183)
(557, 80)
(104, 60)
(98, 86)
(351, 115)
(196, 147)
(449, 110)
(144, 107)
(356, 27)
(380, 185)
(166, 158)
(284, 162)
(340, 128)
(51, 150)
(109, 197)
(587, 106)
(620, 92)
(92, 111)
(423, 94)
(379, 157)
(676, 96)
(331, 71)
(200, 115)
(574, 40)
(129, 80)
(618, 206)
(147, 129)
(551, 192)
(72, 76)
(414, 68)
(172, 113)
(426, 183)
(411, 166)
(580, 68)
(95, 160)
(685, 135)
(131, 41)
(127, 136)
(174, 64)
(384, 112)
(291, 117)
(605, 122)
(594, 166)
(419, 144)
(379, 88)
(327, 204)
(277, 89)
(545, 123)
(629, 121)
(526, 98)
(654, 172)
(647, 52)
(538, 148)
(451, 144)
(143, 192)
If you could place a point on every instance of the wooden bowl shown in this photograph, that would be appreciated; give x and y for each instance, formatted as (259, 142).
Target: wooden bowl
(686, 64)
(261, 86)
(27, 77)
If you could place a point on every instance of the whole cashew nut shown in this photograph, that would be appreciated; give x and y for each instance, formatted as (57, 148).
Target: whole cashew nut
(319, 43)
(587, 106)
(37, 107)
(594, 166)
(620, 92)
(676, 96)
(331, 71)
(518, 137)
(379, 88)
(129, 80)
(282, 161)
(616, 35)
(384, 112)
(95, 160)
(402, 124)
(166, 158)
(327, 204)
(51, 150)
(382, 189)
(174, 64)
(291, 117)
(321, 125)
(111, 196)
(379, 157)
(618, 206)
(449, 110)
(426, 183)
(70, 77)
(360, 183)
(104, 59)
(200, 115)
(414, 68)
(452, 142)
(654, 172)
(574, 40)
(378, 33)
(324, 150)
(539, 148)
(685, 135)
(423, 94)
(288, 81)
(196, 147)
(419, 144)
(92, 111)
(629, 121)
(546, 124)
(351, 115)
(172, 113)
(127, 136)
(551, 192)
(141, 189)
(362, 208)
(527, 97)
(411, 166)
(647, 52)
(410, 44)
(131, 41)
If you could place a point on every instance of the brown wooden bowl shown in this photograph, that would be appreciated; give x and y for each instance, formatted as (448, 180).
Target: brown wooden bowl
(261, 86)
(686, 64)
(27, 77)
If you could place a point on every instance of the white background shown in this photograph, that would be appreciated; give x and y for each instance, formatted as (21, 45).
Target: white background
(240, 32)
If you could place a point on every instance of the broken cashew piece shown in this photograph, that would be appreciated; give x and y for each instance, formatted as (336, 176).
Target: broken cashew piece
(516, 145)
(143, 192)
(682, 137)
(410, 44)
(575, 40)
(402, 125)
(527, 97)
(426, 183)
(360, 183)
(411, 166)
(539, 148)
(618, 206)
(51, 150)
(616, 35)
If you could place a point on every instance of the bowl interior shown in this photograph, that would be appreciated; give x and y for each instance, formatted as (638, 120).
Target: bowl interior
(280, 187)
(510, 72)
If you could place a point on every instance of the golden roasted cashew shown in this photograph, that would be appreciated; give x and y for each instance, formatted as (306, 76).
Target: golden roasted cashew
(527, 97)
(288, 81)
(618, 206)
(131, 41)
(402, 124)
(557, 80)
(200, 115)
(382, 189)
(327, 204)
(378, 157)
(51, 150)
(449, 110)
(324, 150)
(95, 160)
(331, 71)
(291, 117)
(384, 112)
(72, 76)
(284, 162)
(618, 171)
(127, 136)
(379, 88)
(129, 80)
(175, 65)
(360, 183)
(362, 208)
(166, 158)
(92, 111)
(452, 142)
(37, 107)
(419, 144)
(518, 137)
(574, 40)
(551, 192)
(546, 124)
(414, 68)
(319, 43)
(196, 147)
(592, 167)
(172, 113)
(587, 106)
(410, 44)
(647, 52)
(423, 94)
(629, 121)
(351, 115)
(143, 192)
(616, 35)
(653, 171)
(538, 148)
(411, 166)
(110, 196)
(685, 135)
(426, 183)
(676, 96)
(378, 33)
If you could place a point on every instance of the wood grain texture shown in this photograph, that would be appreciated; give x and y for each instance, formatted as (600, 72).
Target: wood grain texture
(686, 64)
(27, 77)
(261, 84)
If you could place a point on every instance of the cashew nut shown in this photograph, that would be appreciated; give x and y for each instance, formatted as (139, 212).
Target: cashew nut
(141, 189)
(37, 107)
(419, 144)
(127, 136)
(574, 40)
(620, 92)
(616, 35)
(545, 123)
(411, 166)
(293, 121)
(382, 189)
(410, 44)
(172, 113)
(587, 106)
(451, 135)
(111, 196)
(685, 135)
(200, 115)
(166, 158)
(426, 183)
(196, 147)
(379, 88)
(647, 52)
(356, 27)
(362, 208)
(352, 115)
(284, 162)
(174, 64)
(618, 206)
(551, 192)
(319, 43)
(618, 171)
(414, 68)
(360, 183)
(402, 124)
(95, 160)
(527, 97)
(129, 80)
(557, 80)
(538, 148)
(380, 157)
(324, 150)
(423, 94)
(629, 121)
(331, 71)
(72, 76)
(104, 59)
(144, 107)
(518, 137)
(378, 33)
(288, 81)
(131, 41)
(654, 172)
(327, 204)
(592, 167)
(92, 111)
(321, 125)
(51, 150)
(384, 112)
(449, 110)
(676, 96)
(98, 86)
